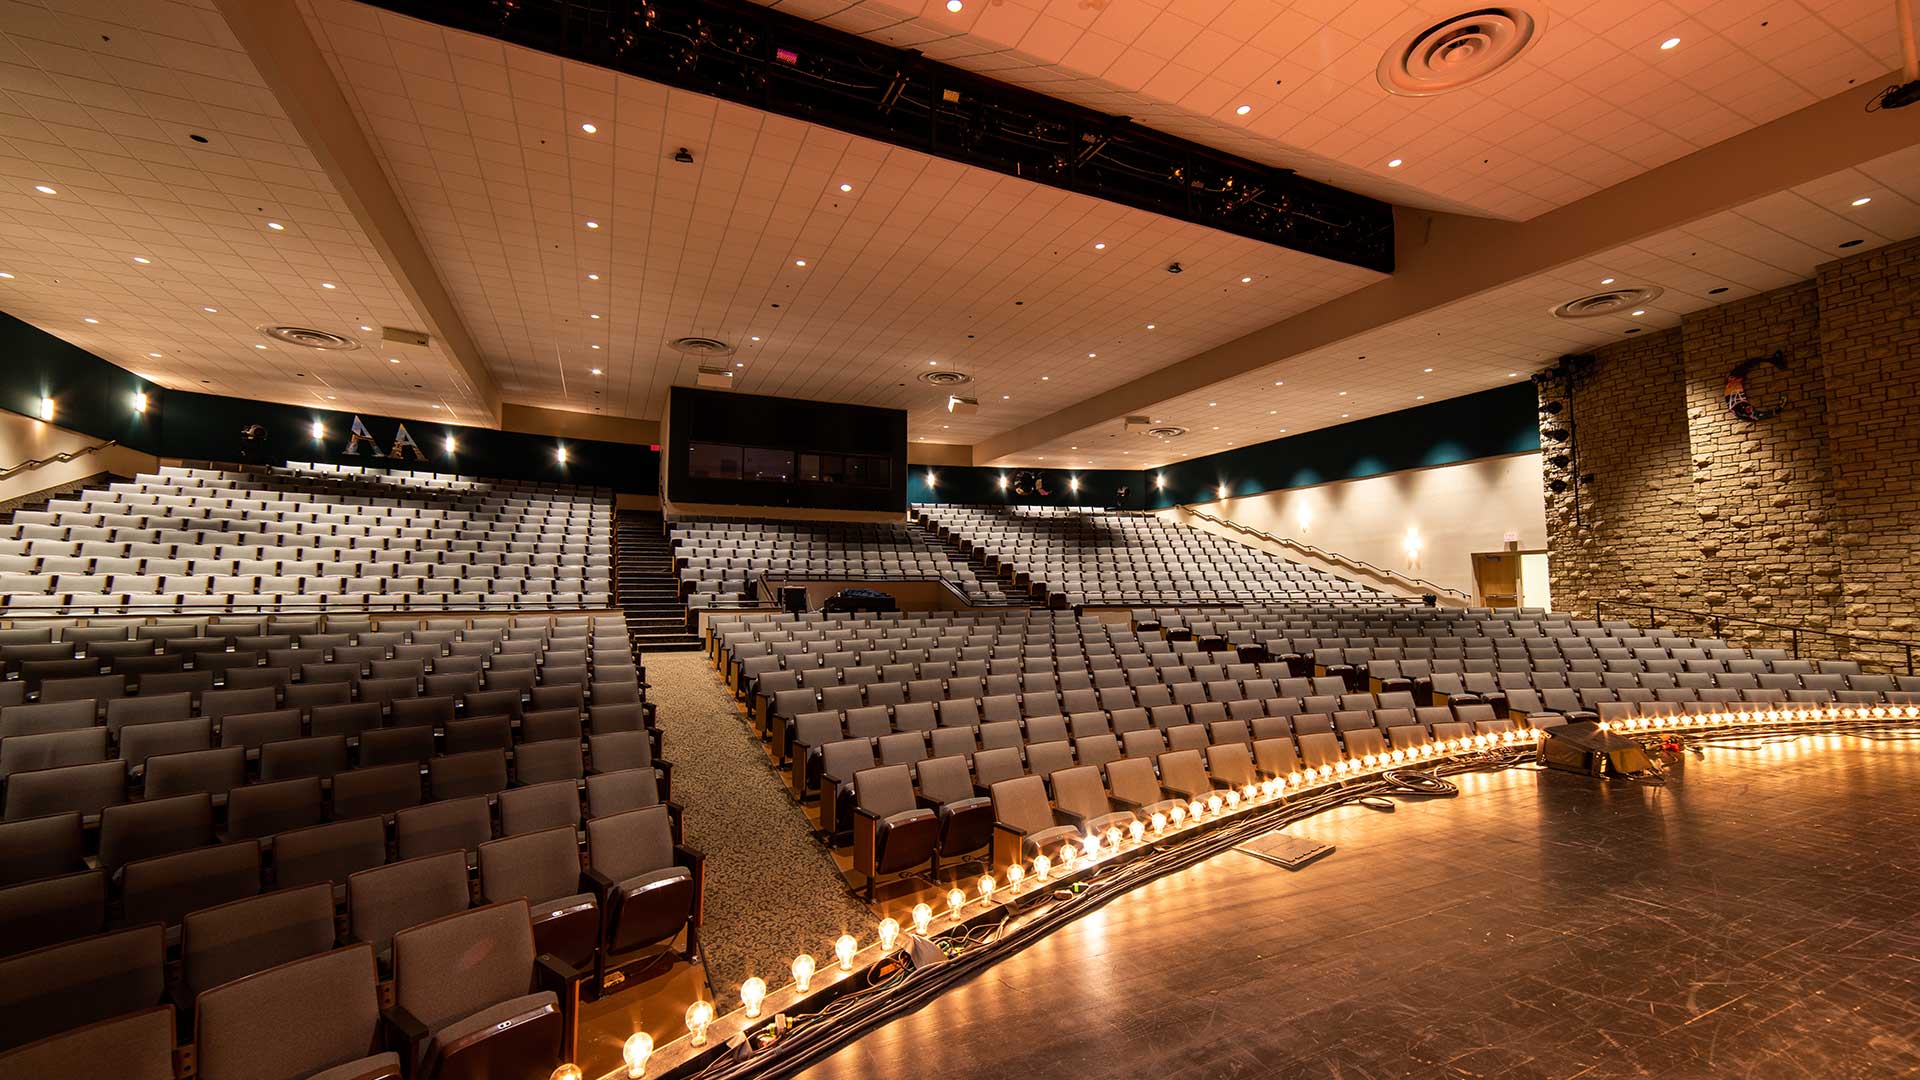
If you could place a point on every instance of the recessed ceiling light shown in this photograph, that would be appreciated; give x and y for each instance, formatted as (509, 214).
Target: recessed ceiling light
(1606, 281)
(1044, 378)
(1073, 448)
(844, 188)
(1279, 382)
(328, 285)
(799, 262)
(739, 363)
(593, 277)
(142, 260)
(1246, 280)
(944, 427)
(1216, 427)
(1669, 43)
(1863, 200)
(753, 339)
(932, 363)
(955, 6)
(44, 189)
(1092, 355)
(1343, 393)
(593, 224)
(1394, 163)
(1641, 311)
(1149, 326)
(259, 346)
(1428, 370)
(1419, 397)
(1100, 246)
(589, 128)
(369, 329)
(330, 397)
(593, 315)
(1273, 412)
(1513, 374)
(596, 371)
(154, 355)
(593, 346)
(90, 319)
(5, 276)
(1211, 404)
(211, 311)
(1344, 415)
(1243, 110)
(276, 226)
(449, 438)
(1283, 431)
(393, 359)
(1006, 397)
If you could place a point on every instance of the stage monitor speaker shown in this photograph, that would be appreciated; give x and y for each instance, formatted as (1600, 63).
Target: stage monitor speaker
(1584, 748)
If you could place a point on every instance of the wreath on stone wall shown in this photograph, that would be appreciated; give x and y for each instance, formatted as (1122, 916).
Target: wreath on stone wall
(1029, 482)
(1735, 392)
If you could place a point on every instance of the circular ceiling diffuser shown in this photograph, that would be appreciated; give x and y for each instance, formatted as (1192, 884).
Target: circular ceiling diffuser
(946, 378)
(1611, 302)
(1460, 51)
(308, 338)
(701, 346)
(1167, 432)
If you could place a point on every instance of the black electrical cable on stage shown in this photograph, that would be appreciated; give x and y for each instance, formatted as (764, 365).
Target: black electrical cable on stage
(895, 988)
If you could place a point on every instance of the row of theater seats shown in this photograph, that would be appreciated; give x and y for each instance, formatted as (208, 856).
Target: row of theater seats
(1108, 557)
(203, 539)
(721, 560)
(219, 866)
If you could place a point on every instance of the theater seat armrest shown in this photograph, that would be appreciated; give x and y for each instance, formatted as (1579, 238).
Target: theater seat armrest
(696, 861)
(599, 884)
(555, 974)
(1124, 804)
(1068, 817)
(405, 1033)
(675, 813)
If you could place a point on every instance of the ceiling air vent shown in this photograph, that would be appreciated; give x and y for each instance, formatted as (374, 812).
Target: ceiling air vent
(308, 338)
(1167, 432)
(1460, 51)
(946, 378)
(701, 346)
(1611, 302)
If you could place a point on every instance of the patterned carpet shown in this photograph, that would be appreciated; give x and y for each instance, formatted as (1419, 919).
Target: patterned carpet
(772, 890)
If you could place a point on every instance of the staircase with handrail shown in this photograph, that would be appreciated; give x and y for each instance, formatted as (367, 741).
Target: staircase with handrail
(60, 458)
(1395, 577)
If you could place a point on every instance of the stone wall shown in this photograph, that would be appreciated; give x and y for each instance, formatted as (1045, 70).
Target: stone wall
(1809, 517)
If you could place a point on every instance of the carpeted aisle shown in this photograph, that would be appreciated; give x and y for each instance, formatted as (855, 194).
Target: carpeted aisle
(772, 890)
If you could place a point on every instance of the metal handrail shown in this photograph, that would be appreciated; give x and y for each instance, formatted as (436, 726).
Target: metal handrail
(765, 586)
(1328, 556)
(60, 458)
(316, 606)
(1717, 621)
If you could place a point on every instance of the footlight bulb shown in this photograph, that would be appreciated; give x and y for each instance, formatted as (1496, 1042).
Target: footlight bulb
(1015, 875)
(922, 919)
(1249, 792)
(752, 993)
(889, 933)
(955, 901)
(1042, 866)
(1137, 830)
(1177, 816)
(1340, 767)
(1112, 839)
(844, 948)
(802, 972)
(1159, 822)
(637, 1049)
(699, 1015)
(986, 886)
(1233, 798)
(569, 1071)
(1214, 803)
(1067, 855)
(1090, 845)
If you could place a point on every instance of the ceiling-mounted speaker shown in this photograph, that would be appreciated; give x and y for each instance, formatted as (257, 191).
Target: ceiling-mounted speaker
(1138, 423)
(960, 406)
(395, 335)
(715, 378)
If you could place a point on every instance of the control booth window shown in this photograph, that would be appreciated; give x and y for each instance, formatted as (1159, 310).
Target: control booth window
(713, 461)
(762, 464)
(853, 470)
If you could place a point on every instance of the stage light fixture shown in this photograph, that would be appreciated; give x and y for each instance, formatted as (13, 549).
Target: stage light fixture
(889, 934)
(844, 950)
(802, 972)
(922, 919)
(636, 1051)
(699, 1015)
(955, 901)
(752, 993)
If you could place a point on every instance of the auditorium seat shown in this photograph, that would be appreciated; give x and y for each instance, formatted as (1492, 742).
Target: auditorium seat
(543, 868)
(266, 1026)
(66, 986)
(135, 1046)
(649, 889)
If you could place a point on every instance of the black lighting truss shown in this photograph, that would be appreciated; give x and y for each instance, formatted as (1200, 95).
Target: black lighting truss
(756, 56)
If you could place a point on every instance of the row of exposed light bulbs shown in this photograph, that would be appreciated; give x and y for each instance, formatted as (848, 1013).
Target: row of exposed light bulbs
(1092, 847)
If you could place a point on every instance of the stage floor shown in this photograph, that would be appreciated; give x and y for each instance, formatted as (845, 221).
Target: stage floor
(1757, 917)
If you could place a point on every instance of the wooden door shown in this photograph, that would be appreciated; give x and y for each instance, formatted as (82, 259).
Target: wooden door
(1496, 579)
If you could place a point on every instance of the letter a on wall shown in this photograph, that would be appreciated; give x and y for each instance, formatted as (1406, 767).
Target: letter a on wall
(360, 435)
(404, 441)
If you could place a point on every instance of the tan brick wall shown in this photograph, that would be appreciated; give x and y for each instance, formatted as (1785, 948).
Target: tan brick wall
(1809, 518)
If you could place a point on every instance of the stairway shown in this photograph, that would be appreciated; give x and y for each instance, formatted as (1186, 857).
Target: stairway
(646, 587)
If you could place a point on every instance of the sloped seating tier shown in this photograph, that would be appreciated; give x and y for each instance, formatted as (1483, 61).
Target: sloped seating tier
(1250, 692)
(721, 559)
(310, 537)
(1115, 557)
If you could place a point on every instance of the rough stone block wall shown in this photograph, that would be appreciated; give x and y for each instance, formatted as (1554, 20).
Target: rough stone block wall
(1810, 517)
(1870, 344)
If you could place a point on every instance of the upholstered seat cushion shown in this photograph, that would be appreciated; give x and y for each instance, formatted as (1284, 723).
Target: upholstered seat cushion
(367, 1066)
(493, 1015)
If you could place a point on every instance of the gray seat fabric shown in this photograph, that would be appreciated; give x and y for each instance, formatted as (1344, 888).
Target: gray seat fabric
(387, 899)
(617, 792)
(1022, 803)
(541, 806)
(137, 1046)
(41, 847)
(329, 853)
(166, 888)
(306, 1042)
(441, 980)
(231, 941)
(36, 914)
(80, 982)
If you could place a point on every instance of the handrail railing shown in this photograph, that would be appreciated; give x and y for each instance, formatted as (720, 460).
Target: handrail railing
(60, 458)
(1716, 622)
(764, 586)
(1327, 556)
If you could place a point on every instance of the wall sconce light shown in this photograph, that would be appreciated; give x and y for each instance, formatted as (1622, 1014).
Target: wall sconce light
(140, 401)
(1222, 489)
(1159, 482)
(451, 444)
(46, 409)
(1073, 483)
(560, 455)
(319, 430)
(933, 480)
(1411, 544)
(1003, 481)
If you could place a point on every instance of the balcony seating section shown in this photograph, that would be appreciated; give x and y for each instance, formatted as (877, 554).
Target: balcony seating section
(720, 560)
(310, 538)
(1085, 556)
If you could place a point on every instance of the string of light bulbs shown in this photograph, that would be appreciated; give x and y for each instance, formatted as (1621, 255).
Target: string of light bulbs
(1034, 901)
